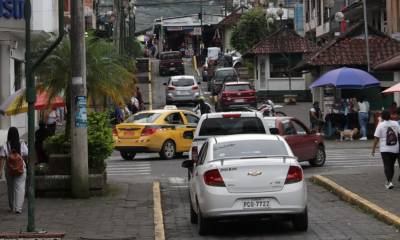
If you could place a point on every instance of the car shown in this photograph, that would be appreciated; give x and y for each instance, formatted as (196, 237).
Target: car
(182, 89)
(171, 62)
(226, 123)
(236, 94)
(221, 75)
(306, 145)
(168, 132)
(246, 175)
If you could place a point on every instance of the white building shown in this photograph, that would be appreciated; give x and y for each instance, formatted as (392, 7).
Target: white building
(44, 24)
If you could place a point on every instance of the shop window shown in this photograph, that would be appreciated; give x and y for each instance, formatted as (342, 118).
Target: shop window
(18, 73)
(319, 13)
(307, 10)
(281, 63)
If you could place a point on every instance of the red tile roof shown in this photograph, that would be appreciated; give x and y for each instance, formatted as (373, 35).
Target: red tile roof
(350, 50)
(232, 18)
(391, 64)
(283, 41)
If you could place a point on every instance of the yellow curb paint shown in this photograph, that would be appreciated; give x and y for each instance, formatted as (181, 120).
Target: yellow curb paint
(150, 87)
(357, 200)
(158, 215)
(195, 66)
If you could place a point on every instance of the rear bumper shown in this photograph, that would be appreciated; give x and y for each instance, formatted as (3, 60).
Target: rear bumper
(142, 144)
(177, 69)
(217, 202)
(188, 98)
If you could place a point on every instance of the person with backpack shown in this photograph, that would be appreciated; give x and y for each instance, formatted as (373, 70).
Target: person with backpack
(203, 107)
(13, 153)
(387, 135)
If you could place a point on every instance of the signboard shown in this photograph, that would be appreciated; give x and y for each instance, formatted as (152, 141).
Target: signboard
(12, 9)
(81, 113)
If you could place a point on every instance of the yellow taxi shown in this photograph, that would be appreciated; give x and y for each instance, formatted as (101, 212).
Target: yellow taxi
(166, 131)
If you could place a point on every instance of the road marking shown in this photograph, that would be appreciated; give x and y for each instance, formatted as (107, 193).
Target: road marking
(128, 168)
(159, 233)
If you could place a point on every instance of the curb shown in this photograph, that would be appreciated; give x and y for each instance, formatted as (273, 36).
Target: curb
(357, 200)
(159, 233)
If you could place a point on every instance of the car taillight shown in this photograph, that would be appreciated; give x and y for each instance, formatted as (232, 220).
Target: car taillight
(234, 115)
(195, 87)
(147, 131)
(294, 175)
(171, 88)
(195, 154)
(114, 132)
(213, 178)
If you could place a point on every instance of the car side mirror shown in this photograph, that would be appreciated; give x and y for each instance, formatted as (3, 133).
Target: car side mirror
(165, 84)
(274, 131)
(188, 164)
(188, 135)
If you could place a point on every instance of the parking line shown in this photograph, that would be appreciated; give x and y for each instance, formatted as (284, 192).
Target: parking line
(158, 215)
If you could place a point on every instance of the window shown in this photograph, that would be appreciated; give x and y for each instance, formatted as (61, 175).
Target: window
(174, 118)
(227, 126)
(249, 149)
(241, 87)
(17, 74)
(202, 154)
(307, 10)
(319, 12)
(192, 119)
(300, 128)
(143, 118)
(182, 82)
(228, 74)
(288, 128)
(170, 56)
(281, 63)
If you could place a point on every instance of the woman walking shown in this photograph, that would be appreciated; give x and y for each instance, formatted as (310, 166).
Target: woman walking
(363, 117)
(386, 134)
(12, 153)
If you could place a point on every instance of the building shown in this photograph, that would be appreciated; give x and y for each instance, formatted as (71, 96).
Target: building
(225, 27)
(90, 18)
(12, 50)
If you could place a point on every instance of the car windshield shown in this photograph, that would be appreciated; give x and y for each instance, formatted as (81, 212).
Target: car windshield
(270, 123)
(170, 55)
(241, 87)
(249, 149)
(222, 74)
(143, 118)
(228, 126)
(182, 82)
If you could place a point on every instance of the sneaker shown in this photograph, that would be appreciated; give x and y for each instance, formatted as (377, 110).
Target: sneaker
(363, 138)
(389, 185)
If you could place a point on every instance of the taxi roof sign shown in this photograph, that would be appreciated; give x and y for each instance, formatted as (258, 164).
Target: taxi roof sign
(170, 107)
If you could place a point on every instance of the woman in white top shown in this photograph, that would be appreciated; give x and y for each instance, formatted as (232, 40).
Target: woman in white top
(363, 106)
(386, 134)
(15, 184)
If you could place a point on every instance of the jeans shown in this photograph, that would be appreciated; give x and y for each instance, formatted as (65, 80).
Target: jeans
(363, 121)
(389, 159)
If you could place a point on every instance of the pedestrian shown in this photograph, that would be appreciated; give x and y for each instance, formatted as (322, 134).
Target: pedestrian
(363, 117)
(40, 136)
(13, 154)
(203, 107)
(315, 117)
(52, 120)
(139, 97)
(386, 134)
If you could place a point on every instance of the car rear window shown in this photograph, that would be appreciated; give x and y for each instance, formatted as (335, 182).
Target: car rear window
(225, 73)
(170, 55)
(249, 148)
(182, 82)
(241, 87)
(228, 126)
(143, 118)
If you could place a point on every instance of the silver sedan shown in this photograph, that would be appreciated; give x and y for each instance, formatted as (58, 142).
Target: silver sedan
(182, 89)
(246, 175)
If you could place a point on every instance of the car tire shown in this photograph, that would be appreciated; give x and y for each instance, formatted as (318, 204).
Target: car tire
(300, 221)
(193, 214)
(168, 150)
(203, 224)
(320, 158)
(127, 155)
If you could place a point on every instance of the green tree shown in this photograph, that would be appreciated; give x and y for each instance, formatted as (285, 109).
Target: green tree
(251, 29)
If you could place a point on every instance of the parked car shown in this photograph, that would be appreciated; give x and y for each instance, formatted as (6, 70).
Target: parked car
(168, 132)
(236, 94)
(171, 62)
(182, 89)
(306, 145)
(246, 175)
(221, 75)
(226, 123)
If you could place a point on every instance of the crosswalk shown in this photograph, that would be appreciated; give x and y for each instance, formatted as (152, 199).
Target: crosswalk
(352, 158)
(119, 167)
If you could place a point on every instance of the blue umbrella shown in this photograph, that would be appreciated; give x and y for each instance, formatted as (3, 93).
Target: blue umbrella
(344, 77)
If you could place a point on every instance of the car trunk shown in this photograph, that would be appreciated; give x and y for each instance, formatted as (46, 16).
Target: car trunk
(254, 175)
(129, 130)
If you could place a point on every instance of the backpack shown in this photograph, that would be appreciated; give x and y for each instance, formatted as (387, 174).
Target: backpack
(15, 164)
(391, 137)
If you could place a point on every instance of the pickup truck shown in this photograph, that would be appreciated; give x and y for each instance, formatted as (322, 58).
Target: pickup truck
(171, 62)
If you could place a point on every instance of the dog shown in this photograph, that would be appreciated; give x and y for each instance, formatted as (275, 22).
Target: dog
(348, 134)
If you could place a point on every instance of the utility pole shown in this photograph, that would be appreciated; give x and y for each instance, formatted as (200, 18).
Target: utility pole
(366, 34)
(79, 144)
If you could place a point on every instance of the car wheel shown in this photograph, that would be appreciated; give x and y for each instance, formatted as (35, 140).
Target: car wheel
(320, 158)
(127, 155)
(300, 221)
(203, 224)
(168, 150)
(193, 214)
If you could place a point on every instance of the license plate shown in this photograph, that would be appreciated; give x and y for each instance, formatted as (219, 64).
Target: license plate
(172, 69)
(256, 204)
(129, 134)
(239, 100)
(182, 93)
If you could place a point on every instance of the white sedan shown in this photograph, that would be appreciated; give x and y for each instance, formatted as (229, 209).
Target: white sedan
(246, 175)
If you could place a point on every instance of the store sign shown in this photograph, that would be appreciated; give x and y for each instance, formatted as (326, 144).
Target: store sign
(12, 9)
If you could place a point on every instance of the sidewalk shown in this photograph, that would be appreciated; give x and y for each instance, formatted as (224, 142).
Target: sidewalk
(369, 186)
(125, 213)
